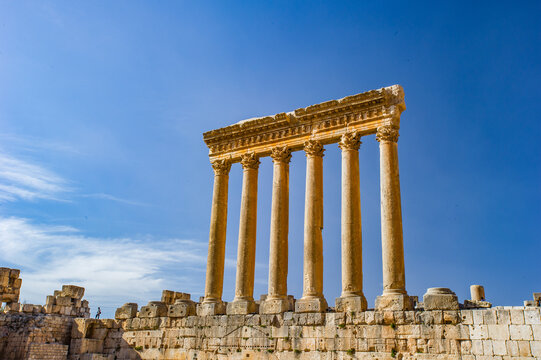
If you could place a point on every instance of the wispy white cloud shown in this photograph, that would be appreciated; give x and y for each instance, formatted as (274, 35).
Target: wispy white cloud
(113, 198)
(22, 180)
(113, 270)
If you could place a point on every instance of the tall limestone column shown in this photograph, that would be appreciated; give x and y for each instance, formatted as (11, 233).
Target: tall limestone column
(312, 299)
(244, 303)
(212, 304)
(394, 295)
(352, 298)
(277, 300)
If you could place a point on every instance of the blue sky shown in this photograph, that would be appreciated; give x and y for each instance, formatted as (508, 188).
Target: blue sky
(105, 180)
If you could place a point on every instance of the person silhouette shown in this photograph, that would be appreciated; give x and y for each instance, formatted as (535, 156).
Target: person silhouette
(98, 313)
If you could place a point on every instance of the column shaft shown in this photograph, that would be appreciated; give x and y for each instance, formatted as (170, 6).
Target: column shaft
(394, 279)
(278, 260)
(218, 225)
(312, 299)
(277, 300)
(244, 290)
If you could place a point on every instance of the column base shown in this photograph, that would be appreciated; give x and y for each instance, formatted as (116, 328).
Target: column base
(242, 307)
(311, 305)
(351, 303)
(394, 302)
(211, 308)
(276, 306)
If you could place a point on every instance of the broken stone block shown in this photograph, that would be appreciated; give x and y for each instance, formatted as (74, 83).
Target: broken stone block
(440, 299)
(181, 308)
(63, 301)
(50, 300)
(126, 311)
(477, 293)
(73, 291)
(153, 309)
(13, 307)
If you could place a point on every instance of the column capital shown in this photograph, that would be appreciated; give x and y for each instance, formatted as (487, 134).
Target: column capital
(281, 154)
(350, 141)
(313, 148)
(250, 161)
(387, 133)
(221, 166)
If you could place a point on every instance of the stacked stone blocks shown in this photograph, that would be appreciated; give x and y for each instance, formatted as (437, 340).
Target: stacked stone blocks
(10, 285)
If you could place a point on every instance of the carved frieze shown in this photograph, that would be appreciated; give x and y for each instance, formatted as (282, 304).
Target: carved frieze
(325, 122)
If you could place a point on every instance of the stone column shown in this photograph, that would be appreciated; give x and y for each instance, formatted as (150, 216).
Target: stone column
(312, 299)
(394, 295)
(212, 304)
(352, 298)
(277, 300)
(244, 303)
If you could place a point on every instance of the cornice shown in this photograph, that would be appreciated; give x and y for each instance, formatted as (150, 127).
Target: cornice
(325, 122)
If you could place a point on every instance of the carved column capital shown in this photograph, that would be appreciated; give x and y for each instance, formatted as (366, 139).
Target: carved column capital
(387, 133)
(350, 141)
(281, 154)
(221, 166)
(313, 148)
(249, 161)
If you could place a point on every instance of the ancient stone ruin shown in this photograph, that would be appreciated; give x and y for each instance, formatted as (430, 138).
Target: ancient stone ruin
(277, 326)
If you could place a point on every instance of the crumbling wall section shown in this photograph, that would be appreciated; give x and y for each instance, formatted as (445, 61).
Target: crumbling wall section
(34, 336)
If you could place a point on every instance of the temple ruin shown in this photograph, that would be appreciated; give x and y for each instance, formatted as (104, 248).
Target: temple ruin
(401, 326)
(344, 122)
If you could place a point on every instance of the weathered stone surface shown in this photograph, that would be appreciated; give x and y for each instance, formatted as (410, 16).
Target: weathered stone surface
(153, 309)
(72, 291)
(181, 308)
(440, 299)
(126, 311)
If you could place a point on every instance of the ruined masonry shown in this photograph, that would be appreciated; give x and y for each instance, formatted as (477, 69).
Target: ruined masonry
(277, 326)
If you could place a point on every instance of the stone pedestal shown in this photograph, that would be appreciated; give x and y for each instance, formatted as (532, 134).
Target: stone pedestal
(211, 308)
(394, 302)
(351, 303)
(308, 305)
(440, 299)
(181, 308)
(276, 306)
(242, 307)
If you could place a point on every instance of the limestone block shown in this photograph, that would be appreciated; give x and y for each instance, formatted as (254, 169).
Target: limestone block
(73, 291)
(535, 348)
(211, 308)
(50, 300)
(498, 332)
(181, 308)
(532, 317)
(394, 302)
(153, 309)
(126, 311)
(91, 346)
(63, 301)
(27, 308)
(520, 332)
(242, 307)
(308, 305)
(351, 304)
(276, 306)
(440, 299)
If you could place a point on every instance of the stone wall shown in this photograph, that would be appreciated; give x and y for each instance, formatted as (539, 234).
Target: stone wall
(497, 333)
(34, 336)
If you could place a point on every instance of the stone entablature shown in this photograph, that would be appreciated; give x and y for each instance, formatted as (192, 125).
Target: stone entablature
(325, 122)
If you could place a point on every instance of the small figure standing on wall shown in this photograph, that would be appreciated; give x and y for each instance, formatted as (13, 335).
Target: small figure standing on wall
(98, 313)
